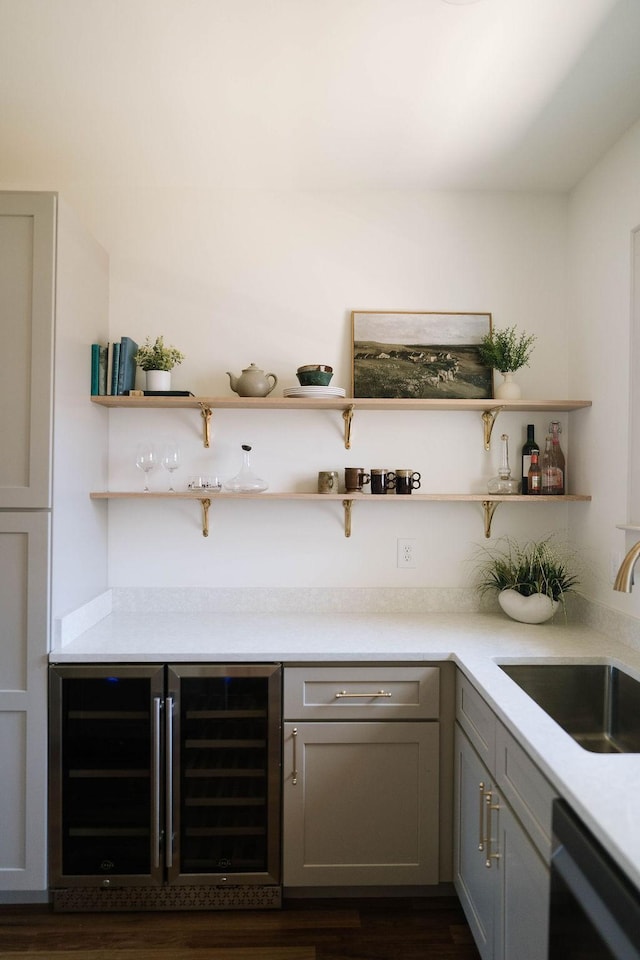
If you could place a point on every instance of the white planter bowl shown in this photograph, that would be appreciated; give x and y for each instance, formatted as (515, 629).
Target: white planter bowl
(159, 380)
(534, 609)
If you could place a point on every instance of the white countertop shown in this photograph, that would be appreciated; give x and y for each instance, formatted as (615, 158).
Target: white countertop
(604, 790)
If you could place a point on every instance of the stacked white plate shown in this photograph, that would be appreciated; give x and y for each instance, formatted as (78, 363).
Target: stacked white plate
(313, 392)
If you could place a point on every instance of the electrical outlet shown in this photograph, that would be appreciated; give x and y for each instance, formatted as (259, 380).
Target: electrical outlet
(406, 554)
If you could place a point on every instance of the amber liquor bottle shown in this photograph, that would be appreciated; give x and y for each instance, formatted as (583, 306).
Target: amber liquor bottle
(534, 477)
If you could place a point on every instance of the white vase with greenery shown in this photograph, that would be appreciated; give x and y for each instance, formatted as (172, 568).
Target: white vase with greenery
(506, 352)
(531, 581)
(158, 360)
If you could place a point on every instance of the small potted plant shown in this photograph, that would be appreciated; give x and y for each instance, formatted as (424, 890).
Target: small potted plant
(531, 580)
(158, 360)
(506, 351)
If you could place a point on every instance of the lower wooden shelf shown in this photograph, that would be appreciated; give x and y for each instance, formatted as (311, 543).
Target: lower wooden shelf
(489, 501)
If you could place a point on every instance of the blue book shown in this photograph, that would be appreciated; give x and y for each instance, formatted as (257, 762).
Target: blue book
(127, 368)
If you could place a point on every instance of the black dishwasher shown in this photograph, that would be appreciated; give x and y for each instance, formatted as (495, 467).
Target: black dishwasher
(594, 909)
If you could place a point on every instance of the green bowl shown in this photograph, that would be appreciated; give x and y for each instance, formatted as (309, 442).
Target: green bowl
(314, 378)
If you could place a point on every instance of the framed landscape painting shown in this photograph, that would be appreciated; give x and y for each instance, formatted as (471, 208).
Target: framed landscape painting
(420, 356)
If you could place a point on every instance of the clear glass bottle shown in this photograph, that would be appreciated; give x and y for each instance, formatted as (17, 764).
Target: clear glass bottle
(529, 446)
(504, 483)
(560, 482)
(546, 469)
(246, 481)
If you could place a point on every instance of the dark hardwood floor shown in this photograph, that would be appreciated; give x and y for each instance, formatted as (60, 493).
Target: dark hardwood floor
(372, 929)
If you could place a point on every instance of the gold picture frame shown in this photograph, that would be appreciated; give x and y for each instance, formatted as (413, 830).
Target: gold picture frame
(419, 355)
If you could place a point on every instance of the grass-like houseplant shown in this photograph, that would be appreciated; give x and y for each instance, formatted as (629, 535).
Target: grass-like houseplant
(157, 356)
(506, 351)
(530, 570)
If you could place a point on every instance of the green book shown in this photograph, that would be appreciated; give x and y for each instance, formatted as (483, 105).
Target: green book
(95, 369)
(102, 370)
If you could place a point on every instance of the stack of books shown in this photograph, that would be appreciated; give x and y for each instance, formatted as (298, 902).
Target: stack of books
(113, 368)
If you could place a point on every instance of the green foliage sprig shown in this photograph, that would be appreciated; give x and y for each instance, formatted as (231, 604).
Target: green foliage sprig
(155, 356)
(505, 351)
(535, 567)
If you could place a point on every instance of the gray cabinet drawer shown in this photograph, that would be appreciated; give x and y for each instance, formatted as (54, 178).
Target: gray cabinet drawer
(525, 788)
(477, 720)
(361, 693)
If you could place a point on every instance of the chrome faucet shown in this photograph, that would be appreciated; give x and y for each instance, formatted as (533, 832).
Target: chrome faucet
(624, 578)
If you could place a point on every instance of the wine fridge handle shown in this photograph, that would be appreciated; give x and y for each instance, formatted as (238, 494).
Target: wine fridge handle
(155, 815)
(168, 797)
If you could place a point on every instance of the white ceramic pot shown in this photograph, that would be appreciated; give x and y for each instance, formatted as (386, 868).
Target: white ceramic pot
(534, 609)
(508, 390)
(158, 379)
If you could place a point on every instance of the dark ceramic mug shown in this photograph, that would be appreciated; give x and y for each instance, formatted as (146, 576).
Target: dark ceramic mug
(355, 478)
(382, 480)
(407, 480)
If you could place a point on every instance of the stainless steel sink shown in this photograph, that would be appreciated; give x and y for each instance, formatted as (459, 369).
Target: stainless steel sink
(598, 705)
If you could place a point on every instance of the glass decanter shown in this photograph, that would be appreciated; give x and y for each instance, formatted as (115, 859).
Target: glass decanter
(246, 481)
(504, 483)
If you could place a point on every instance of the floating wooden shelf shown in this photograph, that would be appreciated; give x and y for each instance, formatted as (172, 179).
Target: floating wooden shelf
(489, 501)
(489, 409)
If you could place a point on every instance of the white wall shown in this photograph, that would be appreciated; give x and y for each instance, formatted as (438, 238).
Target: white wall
(80, 437)
(603, 210)
(233, 278)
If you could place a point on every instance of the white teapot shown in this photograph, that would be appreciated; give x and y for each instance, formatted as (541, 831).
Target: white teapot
(253, 382)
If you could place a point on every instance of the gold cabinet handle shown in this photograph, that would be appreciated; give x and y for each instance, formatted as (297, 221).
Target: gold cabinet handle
(294, 772)
(481, 817)
(489, 807)
(380, 693)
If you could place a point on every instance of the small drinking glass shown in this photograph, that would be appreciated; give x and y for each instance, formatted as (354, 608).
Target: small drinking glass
(146, 460)
(171, 461)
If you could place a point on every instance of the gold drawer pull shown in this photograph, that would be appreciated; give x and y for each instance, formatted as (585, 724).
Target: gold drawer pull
(294, 772)
(490, 806)
(380, 693)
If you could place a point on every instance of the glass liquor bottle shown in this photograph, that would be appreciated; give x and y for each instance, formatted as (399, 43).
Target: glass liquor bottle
(504, 483)
(534, 479)
(559, 463)
(529, 446)
(546, 469)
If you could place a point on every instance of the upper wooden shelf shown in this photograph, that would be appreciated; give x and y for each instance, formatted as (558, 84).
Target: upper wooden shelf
(339, 403)
(489, 409)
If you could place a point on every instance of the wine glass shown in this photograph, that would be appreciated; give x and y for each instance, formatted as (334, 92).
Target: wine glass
(146, 460)
(171, 461)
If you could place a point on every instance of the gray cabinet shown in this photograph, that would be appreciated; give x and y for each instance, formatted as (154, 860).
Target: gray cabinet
(361, 776)
(502, 841)
(53, 303)
(27, 290)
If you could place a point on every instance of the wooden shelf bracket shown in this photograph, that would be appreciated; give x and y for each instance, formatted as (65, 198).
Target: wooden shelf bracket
(205, 413)
(488, 419)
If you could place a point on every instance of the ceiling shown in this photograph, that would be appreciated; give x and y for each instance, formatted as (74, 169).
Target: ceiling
(315, 94)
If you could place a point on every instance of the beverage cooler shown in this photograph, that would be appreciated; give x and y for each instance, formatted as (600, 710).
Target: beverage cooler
(165, 786)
